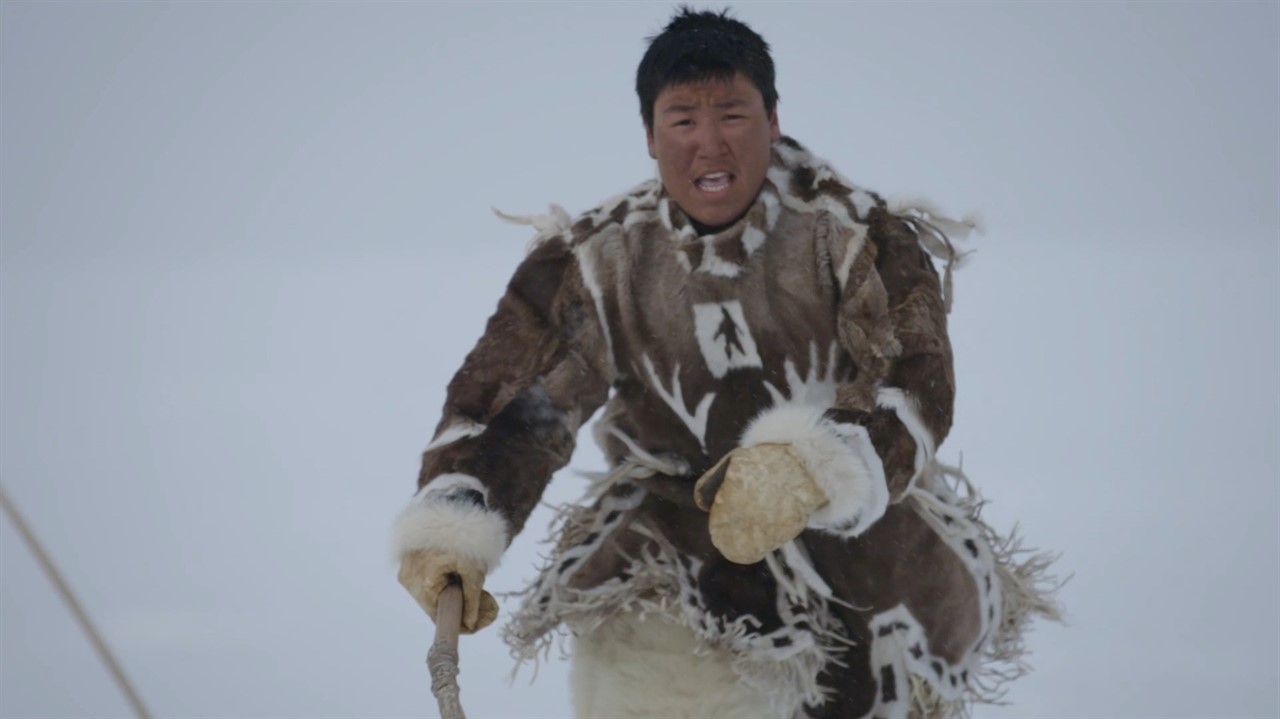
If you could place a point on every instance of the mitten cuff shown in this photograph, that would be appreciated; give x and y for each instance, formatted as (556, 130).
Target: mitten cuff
(449, 514)
(838, 455)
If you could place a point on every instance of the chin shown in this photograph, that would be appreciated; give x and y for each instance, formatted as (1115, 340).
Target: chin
(718, 216)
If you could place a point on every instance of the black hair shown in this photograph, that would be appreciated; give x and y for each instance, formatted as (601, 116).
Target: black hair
(697, 47)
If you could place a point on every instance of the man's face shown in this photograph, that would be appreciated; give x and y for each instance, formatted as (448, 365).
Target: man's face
(712, 143)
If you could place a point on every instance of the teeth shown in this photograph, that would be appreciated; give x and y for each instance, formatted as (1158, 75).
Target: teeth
(714, 182)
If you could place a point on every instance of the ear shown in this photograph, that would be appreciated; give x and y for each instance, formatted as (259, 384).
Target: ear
(648, 136)
(775, 134)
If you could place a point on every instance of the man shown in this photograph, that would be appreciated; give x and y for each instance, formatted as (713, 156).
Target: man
(769, 344)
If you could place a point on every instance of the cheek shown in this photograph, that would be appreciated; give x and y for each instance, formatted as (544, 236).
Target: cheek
(749, 137)
(673, 153)
(668, 168)
(753, 148)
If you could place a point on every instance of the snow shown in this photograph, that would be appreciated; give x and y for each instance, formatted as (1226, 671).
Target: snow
(244, 246)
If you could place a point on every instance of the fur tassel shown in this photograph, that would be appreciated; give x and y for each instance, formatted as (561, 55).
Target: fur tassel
(557, 221)
(928, 210)
(937, 232)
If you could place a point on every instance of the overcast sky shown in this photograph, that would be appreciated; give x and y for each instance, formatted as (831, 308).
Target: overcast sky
(243, 247)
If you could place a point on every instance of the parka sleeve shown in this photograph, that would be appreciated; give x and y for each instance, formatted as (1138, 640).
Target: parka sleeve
(512, 412)
(889, 415)
(893, 322)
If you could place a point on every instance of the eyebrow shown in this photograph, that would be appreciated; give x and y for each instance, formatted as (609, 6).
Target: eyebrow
(725, 105)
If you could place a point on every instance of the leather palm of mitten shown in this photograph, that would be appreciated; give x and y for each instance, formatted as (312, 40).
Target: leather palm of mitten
(760, 497)
(426, 572)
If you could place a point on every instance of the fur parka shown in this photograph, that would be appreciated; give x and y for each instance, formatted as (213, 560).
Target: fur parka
(819, 320)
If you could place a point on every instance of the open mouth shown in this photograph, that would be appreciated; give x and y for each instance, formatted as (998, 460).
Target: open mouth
(714, 183)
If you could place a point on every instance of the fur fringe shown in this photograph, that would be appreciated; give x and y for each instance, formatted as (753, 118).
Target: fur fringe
(1028, 590)
(663, 582)
(927, 703)
(938, 233)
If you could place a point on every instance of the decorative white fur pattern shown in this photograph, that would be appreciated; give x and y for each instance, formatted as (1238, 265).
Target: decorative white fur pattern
(943, 508)
(857, 238)
(587, 265)
(862, 200)
(724, 337)
(818, 385)
(430, 521)
(899, 650)
(708, 259)
(839, 457)
(908, 412)
(464, 429)
(695, 421)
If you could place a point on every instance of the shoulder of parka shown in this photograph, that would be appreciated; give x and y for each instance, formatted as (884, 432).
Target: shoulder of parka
(557, 231)
(809, 184)
(915, 227)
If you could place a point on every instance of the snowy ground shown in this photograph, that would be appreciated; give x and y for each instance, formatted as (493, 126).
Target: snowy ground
(244, 246)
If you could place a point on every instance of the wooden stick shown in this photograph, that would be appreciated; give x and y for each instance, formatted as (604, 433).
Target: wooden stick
(449, 614)
(77, 610)
(442, 659)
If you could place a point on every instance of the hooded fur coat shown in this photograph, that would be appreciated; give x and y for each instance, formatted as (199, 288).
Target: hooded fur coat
(818, 319)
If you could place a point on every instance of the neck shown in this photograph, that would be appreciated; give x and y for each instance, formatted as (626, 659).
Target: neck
(703, 229)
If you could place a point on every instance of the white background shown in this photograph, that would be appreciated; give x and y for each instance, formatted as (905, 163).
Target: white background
(245, 245)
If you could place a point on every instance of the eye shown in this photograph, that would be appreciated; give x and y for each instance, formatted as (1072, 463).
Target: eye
(684, 123)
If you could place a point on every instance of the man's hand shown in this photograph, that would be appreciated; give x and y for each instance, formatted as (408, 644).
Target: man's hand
(426, 572)
(760, 497)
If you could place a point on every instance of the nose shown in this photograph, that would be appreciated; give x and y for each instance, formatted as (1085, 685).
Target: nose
(711, 142)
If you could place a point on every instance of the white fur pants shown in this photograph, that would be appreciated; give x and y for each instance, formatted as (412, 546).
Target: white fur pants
(631, 668)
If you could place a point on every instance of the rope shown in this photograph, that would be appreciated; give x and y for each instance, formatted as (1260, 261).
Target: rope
(86, 624)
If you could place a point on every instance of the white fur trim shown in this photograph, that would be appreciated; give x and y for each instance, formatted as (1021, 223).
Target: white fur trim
(432, 522)
(445, 483)
(587, 266)
(636, 666)
(772, 208)
(853, 248)
(752, 238)
(904, 405)
(839, 456)
(462, 429)
(711, 262)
